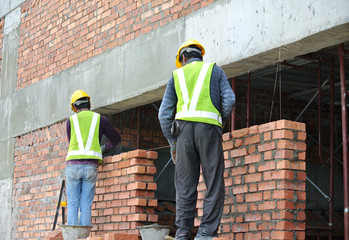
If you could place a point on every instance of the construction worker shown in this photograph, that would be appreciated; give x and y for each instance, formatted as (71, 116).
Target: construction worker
(85, 130)
(204, 100)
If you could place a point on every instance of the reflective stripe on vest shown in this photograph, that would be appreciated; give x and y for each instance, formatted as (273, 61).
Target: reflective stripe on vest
(190, 111)
(87, 149)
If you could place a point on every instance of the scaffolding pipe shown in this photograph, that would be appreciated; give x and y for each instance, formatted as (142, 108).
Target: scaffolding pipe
(310, 101)
(319, 189)
(345, 141)
(233, 86)
(330, 217)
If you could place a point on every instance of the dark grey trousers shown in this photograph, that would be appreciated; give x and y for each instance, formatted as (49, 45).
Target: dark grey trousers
(199, 144)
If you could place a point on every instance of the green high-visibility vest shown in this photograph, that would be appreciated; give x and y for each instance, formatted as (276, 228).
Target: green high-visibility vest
(84, 136)
(192, 84)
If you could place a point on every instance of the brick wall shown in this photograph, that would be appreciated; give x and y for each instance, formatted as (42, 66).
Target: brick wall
(264, 176)
(39, 158)
(125, 185)
(265, 182)
(56, 35)
(125, 195)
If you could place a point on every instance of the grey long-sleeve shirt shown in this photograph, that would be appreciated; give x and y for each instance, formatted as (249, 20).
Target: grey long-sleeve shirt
(222, 96)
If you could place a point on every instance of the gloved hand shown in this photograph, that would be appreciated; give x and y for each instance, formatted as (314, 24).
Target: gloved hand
(173, 153)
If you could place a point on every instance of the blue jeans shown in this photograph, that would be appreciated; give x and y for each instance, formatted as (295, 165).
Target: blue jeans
(81, 184)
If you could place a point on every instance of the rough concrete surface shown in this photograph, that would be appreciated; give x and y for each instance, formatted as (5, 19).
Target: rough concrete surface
(5, 208)
(6, 6)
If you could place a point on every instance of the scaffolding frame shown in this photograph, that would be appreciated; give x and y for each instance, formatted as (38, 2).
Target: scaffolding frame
(344, 144)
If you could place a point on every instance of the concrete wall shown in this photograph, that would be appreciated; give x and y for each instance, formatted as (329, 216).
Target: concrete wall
(238, 35)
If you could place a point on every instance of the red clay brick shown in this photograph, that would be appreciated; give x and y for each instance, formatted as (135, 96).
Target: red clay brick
(267, 205)
(301, 136)
(282, 214)
(136, 170)
(137, 217)
(238, 171)
(301, 155)
(139, 153)
(266, 185)
(249, 217)
(253, 158)
(238, 143)
(266, 147)
(120, 236)
(285, 204)
(267, 136)
(253, 197)
(136, 185)
(281, 174)
(301, 195)
(252, 140)
(267, 127)
(228, 145)
(140, 161)
(283, 134)
(287, 144)
(151, 155)
(282, 194)
(281, 124)
(266, 166)
(281, 235)
(226, 137)
(284, 154)
(239, 133)
(253, 177)
(295, 165)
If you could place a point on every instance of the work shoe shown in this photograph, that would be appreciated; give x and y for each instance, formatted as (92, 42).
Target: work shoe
(182, 236)
(201, 237)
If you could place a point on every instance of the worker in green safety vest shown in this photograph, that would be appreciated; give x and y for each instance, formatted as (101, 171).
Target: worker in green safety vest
(200, 96)
(84, 131)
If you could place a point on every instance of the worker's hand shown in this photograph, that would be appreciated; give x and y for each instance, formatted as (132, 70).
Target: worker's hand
(173, 153)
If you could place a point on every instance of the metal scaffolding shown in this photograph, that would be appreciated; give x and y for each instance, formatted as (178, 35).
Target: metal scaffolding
(329, 163)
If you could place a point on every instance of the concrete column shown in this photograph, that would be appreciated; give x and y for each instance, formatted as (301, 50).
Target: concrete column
(8, 78)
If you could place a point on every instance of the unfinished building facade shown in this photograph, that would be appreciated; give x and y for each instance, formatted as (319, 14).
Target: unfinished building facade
(285, 146)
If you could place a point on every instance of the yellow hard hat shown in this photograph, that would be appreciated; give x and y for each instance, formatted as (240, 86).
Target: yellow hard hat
(187, 44)
(76, 96)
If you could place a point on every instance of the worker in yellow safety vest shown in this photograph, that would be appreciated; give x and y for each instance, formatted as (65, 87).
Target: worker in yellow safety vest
(200, 94)
(84, 131)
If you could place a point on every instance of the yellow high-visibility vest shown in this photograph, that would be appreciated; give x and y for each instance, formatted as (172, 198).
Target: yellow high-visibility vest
(192, 85)
(84, 136)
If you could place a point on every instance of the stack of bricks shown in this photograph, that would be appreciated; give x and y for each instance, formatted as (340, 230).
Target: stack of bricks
(125, 193)
(265, 182)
